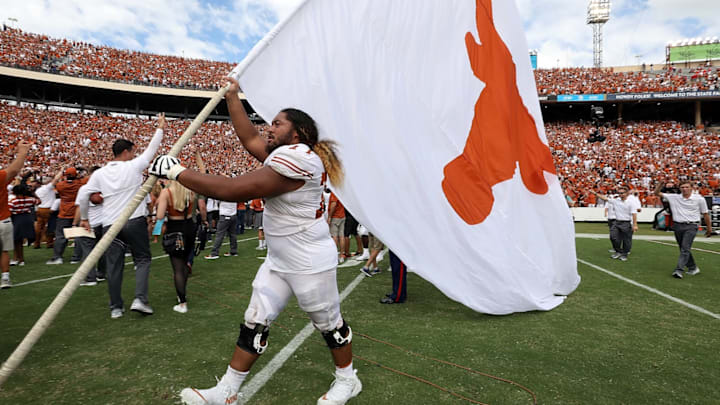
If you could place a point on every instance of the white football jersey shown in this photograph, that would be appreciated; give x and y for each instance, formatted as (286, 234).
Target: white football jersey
(297, 234)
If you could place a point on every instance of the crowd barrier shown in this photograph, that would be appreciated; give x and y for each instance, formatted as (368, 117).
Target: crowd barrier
(597, 214)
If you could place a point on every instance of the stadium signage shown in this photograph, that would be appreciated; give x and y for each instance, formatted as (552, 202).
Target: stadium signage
(580, 97)
(697, 52)
(664, 96)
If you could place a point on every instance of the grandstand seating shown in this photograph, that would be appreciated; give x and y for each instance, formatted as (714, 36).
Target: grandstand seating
(632, 155)
(606, 81)
(63, 139)
(40, 52)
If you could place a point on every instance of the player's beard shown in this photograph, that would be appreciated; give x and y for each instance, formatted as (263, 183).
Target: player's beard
(278, 142)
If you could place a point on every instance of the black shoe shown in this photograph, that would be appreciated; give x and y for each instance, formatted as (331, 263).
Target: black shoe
(387, 300)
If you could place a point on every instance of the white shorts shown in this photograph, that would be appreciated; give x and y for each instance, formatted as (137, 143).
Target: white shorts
(6, 235)
(316, 293)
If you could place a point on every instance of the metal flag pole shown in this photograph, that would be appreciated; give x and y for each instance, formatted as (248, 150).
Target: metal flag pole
(52, 311)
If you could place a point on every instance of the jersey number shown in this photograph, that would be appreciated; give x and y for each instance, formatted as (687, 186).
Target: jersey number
(321, 210)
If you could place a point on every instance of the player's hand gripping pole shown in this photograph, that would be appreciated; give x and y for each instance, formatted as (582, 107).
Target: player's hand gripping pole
(64, 295)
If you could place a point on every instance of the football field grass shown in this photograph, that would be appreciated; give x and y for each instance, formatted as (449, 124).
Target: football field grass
(630, 334)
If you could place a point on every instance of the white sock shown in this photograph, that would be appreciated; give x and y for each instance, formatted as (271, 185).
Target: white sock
(234, 378)
(264, 243)
(345, 371)
(260, 242)
(6, 276)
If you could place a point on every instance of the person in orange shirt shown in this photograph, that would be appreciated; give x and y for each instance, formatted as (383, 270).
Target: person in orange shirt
(336, 220)
(6, 228)
(590, 200)
(258, 205)
(67, 190)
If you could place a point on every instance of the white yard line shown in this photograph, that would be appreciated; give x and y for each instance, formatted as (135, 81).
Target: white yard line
(675, 245)
(664, 238)
(264, 375)
(126, 263)
(652, 290)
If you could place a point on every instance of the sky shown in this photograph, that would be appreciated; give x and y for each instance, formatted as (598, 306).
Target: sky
(225, 30)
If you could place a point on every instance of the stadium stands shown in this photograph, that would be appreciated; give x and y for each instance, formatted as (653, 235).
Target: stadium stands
(63, 139)
(606, 81)
(40, 52)
(631, 155)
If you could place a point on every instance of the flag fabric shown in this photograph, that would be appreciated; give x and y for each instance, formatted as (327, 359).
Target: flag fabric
(435, 111)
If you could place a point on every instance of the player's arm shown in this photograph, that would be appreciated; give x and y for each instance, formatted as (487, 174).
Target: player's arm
(264, 182)
(245, 130)
(659, 187)
(600, 196)
(142, 161)
(708, 225)
(76, 219)
(57, 178)
(634, 218)
(202, 208)
(199, 162)
(14, 168)
(331, 210)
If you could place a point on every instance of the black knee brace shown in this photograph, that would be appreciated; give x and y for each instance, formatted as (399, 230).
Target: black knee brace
(253, 341)
(339, 337)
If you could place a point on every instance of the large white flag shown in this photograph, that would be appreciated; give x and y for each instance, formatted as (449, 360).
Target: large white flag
(434, 106)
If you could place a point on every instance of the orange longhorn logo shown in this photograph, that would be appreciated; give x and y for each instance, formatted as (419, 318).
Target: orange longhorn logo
(502, 133)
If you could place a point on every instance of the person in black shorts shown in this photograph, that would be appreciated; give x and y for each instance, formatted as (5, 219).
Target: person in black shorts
(176, 203)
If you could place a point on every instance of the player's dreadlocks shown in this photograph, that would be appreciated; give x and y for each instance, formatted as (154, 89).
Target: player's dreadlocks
(308, 133)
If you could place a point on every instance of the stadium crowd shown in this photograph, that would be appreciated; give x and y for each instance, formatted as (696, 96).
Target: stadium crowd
(631, 154)
(61, 139)
(80, 59)
(634, 154)
(40, 52)
(606, 81)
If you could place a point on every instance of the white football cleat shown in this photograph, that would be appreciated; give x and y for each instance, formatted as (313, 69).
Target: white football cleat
(341, 390)
(181, 308)
(221, 394)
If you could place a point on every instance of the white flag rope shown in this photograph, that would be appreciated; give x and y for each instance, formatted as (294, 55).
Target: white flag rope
(52, 311)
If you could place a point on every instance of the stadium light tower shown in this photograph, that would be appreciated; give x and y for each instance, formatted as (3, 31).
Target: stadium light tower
(598, 14)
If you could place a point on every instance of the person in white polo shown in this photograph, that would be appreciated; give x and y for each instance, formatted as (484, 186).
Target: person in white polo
(686, 209)
(117, 182)
(625, 222)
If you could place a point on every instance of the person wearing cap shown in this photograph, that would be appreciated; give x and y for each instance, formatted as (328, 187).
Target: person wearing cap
(6, 229)
(67, 190)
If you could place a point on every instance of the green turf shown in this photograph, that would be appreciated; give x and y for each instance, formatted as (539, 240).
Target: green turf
(610, 342)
